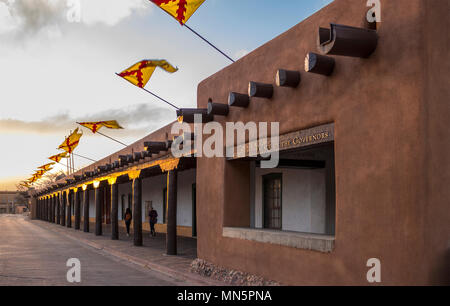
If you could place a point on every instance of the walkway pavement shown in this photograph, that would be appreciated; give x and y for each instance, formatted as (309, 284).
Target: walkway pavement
(33, 255)
(150, 256)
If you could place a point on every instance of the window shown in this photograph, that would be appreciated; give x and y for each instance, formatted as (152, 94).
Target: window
(299, 195)
(272, 201)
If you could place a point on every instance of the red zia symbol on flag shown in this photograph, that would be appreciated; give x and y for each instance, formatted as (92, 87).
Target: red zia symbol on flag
(137, 72)
(181, 10)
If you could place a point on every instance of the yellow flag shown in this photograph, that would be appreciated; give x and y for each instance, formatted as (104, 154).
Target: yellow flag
(39, 173)
(71, 142)
(57, 158)
(95, 126)
(46, 167)
(181, 10)
(140, 73)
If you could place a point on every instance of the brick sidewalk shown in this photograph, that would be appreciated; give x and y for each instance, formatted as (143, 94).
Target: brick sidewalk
(151, 255)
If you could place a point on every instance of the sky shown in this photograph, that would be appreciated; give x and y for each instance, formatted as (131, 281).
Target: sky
(55, 72)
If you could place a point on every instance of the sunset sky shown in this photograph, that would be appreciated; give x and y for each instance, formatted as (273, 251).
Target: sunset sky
(55, 73)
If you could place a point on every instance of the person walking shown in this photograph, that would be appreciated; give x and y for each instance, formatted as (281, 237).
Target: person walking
(128, 218)
(153, 218)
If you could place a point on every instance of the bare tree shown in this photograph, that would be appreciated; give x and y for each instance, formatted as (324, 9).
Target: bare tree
(48, 179)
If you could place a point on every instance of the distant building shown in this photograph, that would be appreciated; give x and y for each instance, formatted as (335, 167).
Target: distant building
(9, 203)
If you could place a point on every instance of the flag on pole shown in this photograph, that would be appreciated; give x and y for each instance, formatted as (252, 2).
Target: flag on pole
(181, 10)
(71, 142)
(96, 126)
(39, 174)
(57, 158)
(140, 73)
(46, 167)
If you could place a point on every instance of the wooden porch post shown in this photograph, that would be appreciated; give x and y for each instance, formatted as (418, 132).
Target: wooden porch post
(86, 210)
(50, 200)
(53, 208)
(98, 211)
(58, 209)
(137, 211)
(48, 209)
(77, 209)
(114, 211)
(171, 243)
(63, 208)
(69, 209)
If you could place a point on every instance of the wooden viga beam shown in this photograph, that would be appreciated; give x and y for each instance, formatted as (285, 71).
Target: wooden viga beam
(288, 78)
(155, 147)
(102, 169)
(181, 140)
(123, 160)
(347, 41)
(260, 90)
(319, 64)
(137, 156)
(90, 173)
(218, 109)
(145, 154)
(188, 114)
(238, 100)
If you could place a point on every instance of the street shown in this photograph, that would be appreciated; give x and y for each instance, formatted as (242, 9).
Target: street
(31, 255)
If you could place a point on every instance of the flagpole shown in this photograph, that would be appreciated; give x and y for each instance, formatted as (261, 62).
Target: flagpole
(156, 96)
(105, 136)
(85, 157)
(60, 163)
(205, 40)
(112, 139)
(73, 164)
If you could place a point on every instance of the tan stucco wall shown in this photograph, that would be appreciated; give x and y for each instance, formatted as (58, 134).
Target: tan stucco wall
(391, 150)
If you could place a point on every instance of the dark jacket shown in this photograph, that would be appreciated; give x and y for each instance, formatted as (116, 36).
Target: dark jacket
(153, 215)
(128, 212)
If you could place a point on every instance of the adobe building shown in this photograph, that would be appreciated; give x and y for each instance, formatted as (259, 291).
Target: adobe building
(9, 203)
(141, 176)
(382, 189)
(364, 153)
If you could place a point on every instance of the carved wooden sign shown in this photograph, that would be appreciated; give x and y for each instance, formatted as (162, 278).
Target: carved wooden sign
(303, 138)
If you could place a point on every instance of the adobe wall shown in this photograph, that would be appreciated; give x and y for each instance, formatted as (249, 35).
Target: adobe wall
(391, 149)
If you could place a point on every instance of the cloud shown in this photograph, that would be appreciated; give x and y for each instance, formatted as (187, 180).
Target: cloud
(111, 12)
(138, 120)
(48, 16)
(30, 16)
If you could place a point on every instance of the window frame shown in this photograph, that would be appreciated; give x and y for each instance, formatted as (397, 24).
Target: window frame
(272, 176)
